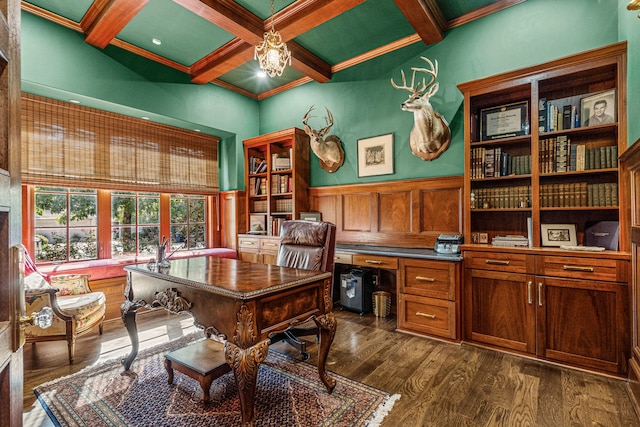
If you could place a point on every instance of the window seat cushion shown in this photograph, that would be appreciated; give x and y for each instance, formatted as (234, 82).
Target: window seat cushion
(113, 267)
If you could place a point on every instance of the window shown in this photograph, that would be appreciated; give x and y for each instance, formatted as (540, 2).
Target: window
(188, 222)
(135, 223)
(66, 224)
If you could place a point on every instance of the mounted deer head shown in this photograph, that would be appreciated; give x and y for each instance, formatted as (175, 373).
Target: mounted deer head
(329, 150)
(430, 135)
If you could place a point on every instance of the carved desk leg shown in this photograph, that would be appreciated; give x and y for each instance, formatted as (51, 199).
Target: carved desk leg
(328, 325)
(129, 310)
(244, 356)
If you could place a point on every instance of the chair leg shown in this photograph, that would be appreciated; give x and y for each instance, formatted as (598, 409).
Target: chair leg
(71, 345)
(101, 326)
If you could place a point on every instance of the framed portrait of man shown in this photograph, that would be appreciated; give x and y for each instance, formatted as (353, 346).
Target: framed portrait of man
(599, 108)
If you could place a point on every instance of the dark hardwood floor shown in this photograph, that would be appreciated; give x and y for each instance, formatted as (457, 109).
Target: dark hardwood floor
(441, 384)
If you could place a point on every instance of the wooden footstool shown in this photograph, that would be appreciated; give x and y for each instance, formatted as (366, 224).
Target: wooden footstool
(203, 361)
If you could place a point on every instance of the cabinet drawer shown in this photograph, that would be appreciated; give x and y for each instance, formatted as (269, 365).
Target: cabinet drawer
(436, 279)
(427, 315)
(609, 270)
(498, 261)
(343, 258)
(376, 261)
(270, 245)
(248, 242)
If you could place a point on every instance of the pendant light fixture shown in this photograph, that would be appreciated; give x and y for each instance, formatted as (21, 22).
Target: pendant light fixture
(272, 54)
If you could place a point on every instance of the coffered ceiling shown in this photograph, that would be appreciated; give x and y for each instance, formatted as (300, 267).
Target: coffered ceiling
(213, 40)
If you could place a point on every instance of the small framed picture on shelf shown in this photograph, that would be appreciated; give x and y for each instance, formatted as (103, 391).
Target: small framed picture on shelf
(504, 121)
(558, 234)
(599, 109)
(311, 216)
(375, 155)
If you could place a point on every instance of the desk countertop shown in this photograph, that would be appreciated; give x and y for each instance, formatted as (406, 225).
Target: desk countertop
(422, 253)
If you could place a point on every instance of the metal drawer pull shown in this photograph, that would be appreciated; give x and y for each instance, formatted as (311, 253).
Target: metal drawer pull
(577, 268)
(372, 261)
(271, 245)
(425, 279)
(497, 262)
(430, 316)
(540, 294)
(530, 292)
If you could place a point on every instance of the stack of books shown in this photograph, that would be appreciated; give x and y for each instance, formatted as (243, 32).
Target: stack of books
(510, 240)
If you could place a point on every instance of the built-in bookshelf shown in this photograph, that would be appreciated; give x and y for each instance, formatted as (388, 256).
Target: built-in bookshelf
(276, 179)
(563, 169)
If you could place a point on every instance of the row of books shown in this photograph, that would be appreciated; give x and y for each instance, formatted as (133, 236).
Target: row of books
(257, 186)
(281, 206)
(510, 241)
(558, 154)
(281, 184)
(578, 194)
(559, 114)
(257, 165)
(284, 205)
(280, 161)
(501, 197)
(275, 223)
(494, 162)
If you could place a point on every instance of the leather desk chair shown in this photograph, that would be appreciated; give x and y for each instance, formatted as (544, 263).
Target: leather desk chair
(308, 245)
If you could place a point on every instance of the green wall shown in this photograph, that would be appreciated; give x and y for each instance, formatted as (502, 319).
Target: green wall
(58, 63)
(529, 33)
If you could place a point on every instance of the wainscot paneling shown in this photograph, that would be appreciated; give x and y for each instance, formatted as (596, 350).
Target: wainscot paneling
(409, 213)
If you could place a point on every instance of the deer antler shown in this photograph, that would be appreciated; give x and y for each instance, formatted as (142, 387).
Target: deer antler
(415, 88)
(329, 120)
(306, 117)
(433, 72)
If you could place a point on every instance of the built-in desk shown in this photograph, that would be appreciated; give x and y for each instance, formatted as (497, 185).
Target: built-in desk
(426, 286)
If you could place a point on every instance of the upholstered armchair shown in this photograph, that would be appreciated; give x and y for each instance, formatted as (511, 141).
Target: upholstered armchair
(76, 309)
(308, 245)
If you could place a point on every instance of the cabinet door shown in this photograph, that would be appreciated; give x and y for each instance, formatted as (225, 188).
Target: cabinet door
(582, 322)
(249, 255)
(499, 309)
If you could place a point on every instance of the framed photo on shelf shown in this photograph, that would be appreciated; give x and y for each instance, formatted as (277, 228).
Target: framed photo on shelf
(599, 109)
(375, 155)
(311, 216)
(504, 121)
(558, 234)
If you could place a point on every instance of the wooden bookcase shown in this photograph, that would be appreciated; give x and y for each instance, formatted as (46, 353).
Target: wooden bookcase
(276, 178)
(509, 113)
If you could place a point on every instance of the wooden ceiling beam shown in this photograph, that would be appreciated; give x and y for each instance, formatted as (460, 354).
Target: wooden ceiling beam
(249, 29)
(302, 16)
(229, 16)
(221, 61)
(106, 18)
(425, 17)
(309, 64)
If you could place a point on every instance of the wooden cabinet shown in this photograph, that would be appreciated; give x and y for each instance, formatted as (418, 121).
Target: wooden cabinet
(630, 167)
(276, 178)
(567, 309)
(428, 297)
(113, 289)
(530, 155)
(260, 249)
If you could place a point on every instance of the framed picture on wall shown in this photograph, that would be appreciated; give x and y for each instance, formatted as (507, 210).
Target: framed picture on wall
(375, 155)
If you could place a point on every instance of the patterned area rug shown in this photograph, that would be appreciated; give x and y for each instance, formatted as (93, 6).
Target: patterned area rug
(289, 393)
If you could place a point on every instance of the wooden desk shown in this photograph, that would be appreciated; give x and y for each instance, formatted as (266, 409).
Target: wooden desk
(241, 303)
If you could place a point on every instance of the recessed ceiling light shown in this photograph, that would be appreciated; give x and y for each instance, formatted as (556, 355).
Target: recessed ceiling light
(144, 118)
(196, 130)
(261, 74)
(74, 101)
(156, 41)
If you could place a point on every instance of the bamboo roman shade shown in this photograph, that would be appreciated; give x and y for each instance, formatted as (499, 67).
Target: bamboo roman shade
(71, 145)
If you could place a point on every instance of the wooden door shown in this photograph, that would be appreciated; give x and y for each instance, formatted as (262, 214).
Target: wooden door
(582, 322)
(11, 290)
(500, 310)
